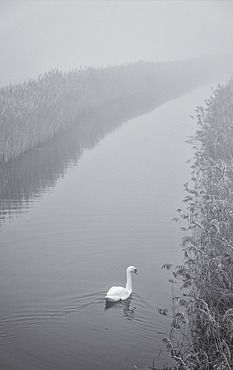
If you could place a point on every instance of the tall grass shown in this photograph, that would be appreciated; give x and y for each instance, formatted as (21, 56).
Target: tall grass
(33, 112)
(203, 313)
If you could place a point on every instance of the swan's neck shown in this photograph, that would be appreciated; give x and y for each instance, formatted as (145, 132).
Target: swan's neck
(128, 282)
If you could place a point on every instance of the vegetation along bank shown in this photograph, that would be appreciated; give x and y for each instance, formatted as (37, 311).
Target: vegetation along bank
(202, 320)
(33, 112)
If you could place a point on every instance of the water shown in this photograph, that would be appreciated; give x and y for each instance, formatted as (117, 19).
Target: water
(75, 213)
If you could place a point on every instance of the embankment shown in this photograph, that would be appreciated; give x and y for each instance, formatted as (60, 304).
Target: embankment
(203, 313)
(34, 112)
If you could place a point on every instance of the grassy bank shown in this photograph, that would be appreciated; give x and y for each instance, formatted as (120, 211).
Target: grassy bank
(203, 313)
(35, 111)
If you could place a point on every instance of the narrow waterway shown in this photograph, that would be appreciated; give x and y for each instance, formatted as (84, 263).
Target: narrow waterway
(74, 214)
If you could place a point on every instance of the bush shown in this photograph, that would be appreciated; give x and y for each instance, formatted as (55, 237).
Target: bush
(207, 274)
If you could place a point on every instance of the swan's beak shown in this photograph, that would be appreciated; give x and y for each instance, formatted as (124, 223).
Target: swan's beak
(136, 272)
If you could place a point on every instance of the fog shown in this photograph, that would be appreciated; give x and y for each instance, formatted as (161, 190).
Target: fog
(36, 36)
(97, 197)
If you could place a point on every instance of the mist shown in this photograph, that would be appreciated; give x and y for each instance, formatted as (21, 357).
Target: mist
(37, 36)
(92, 167)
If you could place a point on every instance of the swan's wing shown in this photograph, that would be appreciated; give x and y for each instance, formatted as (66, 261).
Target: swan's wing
(117, 293)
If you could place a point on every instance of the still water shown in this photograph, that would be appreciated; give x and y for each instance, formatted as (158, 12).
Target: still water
(74, 214)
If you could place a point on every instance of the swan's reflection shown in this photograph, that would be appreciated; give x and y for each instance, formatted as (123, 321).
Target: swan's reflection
(126, 306)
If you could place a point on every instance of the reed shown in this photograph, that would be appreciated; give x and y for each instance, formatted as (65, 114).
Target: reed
(34, 112)
(203, 310)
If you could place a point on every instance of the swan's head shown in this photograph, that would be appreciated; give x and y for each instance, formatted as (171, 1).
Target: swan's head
(132, 269)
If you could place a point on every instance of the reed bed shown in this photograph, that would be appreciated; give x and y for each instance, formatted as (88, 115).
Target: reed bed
(35, 111)
(202, 325)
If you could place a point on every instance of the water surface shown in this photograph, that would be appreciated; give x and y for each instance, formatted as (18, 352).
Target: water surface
(75, 213)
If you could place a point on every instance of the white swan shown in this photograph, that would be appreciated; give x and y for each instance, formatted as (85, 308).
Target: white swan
(118, 293)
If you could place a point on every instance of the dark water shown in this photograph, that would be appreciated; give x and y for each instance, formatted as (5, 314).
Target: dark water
(75, 213)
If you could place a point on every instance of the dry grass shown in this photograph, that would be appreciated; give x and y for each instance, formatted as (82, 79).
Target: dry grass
(34, 112)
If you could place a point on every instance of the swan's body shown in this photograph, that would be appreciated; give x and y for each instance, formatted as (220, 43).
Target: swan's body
(119, 293)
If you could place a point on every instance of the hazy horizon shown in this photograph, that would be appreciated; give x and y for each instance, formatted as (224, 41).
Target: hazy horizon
(38, 36)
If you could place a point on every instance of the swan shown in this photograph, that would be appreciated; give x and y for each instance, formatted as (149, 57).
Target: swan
(118, 293)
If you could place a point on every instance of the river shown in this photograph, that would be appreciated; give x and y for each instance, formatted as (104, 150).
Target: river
(75, 213)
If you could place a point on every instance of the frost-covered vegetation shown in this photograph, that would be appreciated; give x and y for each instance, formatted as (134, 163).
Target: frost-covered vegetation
(33, 112)
(203, 313)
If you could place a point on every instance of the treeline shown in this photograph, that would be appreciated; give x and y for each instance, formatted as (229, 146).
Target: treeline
(203, 314)
(33, 112)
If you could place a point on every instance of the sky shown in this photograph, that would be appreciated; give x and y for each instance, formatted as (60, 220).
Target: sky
(39, 35)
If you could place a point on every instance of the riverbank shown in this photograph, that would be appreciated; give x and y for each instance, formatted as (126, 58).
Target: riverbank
(34, 112)
(203, 313)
